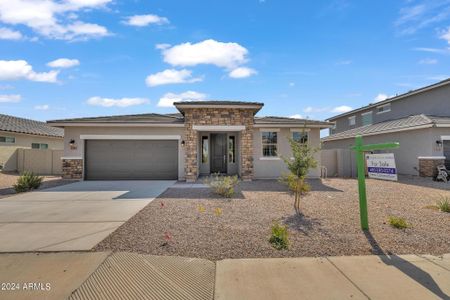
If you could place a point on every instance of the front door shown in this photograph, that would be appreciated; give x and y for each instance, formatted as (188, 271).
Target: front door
(218, 153)
(447, 153)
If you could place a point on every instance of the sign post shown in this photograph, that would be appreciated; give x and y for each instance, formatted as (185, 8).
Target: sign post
(359, 148)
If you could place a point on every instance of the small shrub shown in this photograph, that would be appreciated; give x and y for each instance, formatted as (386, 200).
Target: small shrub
(398, 222)
(279, 238)
(27, 181)
(222, 185)
(291, 180)
(444, 204)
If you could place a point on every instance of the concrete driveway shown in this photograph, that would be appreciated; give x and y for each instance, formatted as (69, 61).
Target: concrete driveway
(72, 217)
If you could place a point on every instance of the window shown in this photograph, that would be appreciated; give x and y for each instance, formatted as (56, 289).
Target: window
(300, 136)
(39, 146)
(366, 118)
(231, 149)
(269, 143)
(352, 120)
(7, 139)
(205, 149)
(384, 108)
(333, 128)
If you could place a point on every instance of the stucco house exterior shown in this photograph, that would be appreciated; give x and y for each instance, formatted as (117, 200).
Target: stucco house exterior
(204, 137)
(419, 120)
(19, 133)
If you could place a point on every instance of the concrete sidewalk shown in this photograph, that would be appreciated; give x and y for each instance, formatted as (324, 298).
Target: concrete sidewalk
(102, 275)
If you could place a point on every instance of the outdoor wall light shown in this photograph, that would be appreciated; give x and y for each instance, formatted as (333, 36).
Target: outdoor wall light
(182, 143)
(439, 143)
(72, 144)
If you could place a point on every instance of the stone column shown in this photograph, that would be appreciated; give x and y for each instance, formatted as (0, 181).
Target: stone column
(72, 168)
(247, 150)
(428, 165)
(191, 151)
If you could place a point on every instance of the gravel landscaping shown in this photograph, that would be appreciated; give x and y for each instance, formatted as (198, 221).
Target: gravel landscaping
(7, 179)
(187, 221)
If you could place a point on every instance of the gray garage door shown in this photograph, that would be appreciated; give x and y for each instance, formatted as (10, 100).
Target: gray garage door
(131, 159)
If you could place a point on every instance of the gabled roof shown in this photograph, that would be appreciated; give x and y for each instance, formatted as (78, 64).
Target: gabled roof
(181, 106)
(389, 100)
(402, 124)
(291, 121)
(27, 126)
(138, 118)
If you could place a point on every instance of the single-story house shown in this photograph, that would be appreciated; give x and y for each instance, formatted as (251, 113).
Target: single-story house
(19, 133)
(419, 120)
(204, 137)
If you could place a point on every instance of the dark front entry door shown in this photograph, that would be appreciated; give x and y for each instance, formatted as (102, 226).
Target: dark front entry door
(218, 153)
(447, 153)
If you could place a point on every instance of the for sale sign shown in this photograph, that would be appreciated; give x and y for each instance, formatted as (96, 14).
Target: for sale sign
(381, 166)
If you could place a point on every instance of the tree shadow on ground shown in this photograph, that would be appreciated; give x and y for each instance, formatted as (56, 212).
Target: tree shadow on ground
(406, 267)
(301, 223)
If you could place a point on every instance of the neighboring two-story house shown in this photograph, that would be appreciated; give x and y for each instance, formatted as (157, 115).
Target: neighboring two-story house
(419, 120)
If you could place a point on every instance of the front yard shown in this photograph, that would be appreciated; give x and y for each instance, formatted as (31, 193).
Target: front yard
(193, 222)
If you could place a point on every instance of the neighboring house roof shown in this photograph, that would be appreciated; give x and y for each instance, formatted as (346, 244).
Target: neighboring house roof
(27, 126)
(291, 121)
(402, 124)
(138, 118)
(389, 100)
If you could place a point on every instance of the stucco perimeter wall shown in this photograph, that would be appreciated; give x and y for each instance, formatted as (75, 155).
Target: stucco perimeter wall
(269, 168)
(8, 152)
(413, 143)
(75, 133)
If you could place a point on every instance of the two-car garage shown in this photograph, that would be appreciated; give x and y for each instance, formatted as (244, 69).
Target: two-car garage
(130, 159)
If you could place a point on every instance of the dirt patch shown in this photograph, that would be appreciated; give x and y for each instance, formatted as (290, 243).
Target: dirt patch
(7, 180)
(186, 222)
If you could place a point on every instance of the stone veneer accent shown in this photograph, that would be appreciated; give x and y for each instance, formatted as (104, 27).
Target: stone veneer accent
(218, 116)
(428, 165)
(72, 168)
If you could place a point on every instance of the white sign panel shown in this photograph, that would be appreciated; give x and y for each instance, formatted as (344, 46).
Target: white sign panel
(381, 166)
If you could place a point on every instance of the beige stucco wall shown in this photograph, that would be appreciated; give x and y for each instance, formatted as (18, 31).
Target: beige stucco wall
(413, 143)
(8, 152)
(75, 133)
(274, 167)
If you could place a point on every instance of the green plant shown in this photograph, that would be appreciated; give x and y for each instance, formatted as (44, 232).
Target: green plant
(398, 222)
(444, 204)
(299, 164)
(291, 181)
(279, 238)
(222, 185)
(27, 181)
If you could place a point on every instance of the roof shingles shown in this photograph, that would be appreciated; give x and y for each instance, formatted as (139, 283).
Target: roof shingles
(27, 126)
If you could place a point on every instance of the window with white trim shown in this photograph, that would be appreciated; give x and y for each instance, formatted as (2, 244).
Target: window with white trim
(7, 139)
(300, 136)
(367, 118)
(269, 140)
(39, 146)
(383, 108)
(352, 121)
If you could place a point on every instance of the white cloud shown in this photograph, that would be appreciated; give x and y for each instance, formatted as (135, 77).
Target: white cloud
(145, 20)
(311, 109)
(341, 109)
(446, 35)
(169, 98)
(53, 19)
(10, 98)
(428, 61)
(63, 63)
(20, 69)
(380, 97)
(224, 55)
(162, 46)
(422, 14)
(171, 76)
(431, 50)
(42, 107)
(291, 84)
(438, 77)
(8, 34)
(297, 116)
(242, 72)
(121, 102)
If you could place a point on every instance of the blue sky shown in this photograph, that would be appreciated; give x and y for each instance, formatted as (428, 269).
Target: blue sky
(62, 59)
